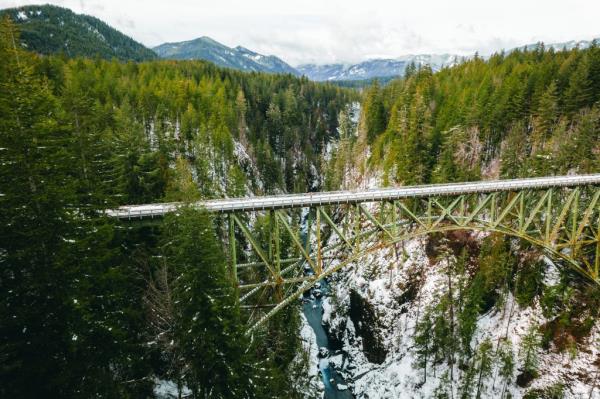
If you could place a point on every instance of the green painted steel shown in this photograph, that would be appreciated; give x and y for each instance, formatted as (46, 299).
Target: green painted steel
(325, 232)
(563, 222)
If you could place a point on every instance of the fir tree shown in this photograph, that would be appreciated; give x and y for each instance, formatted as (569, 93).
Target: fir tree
(375, 118)
(207, 321)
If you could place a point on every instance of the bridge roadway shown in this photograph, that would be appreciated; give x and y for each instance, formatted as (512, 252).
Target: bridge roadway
(353, 197)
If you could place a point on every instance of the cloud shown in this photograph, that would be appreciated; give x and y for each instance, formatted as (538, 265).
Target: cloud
(326, 31)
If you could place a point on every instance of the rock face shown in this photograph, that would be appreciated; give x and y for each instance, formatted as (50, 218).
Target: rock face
(365, 321)
(377, 304)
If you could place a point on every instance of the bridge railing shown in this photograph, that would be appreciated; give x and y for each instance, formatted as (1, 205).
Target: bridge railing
(352, 197)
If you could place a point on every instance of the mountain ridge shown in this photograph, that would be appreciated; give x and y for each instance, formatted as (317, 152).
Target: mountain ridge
(48, 29)
(376, 68)
(238, 57)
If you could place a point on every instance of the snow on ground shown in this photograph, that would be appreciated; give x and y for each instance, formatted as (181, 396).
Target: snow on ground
(396, 376)
(312, 385)
(168, 390)
(381, 278)
(246, 162)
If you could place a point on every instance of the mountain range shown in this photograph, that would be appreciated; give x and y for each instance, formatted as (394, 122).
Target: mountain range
(241, 58)
(50, 29)
(375, 68)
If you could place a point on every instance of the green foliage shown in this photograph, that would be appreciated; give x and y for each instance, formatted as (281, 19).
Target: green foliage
(528, 351)
(522, 114)
(182, 187)
(142, 117)
(375, 118)
(529, 282)
(94, 309)
(571, 313)
(556, 391)
(50, 29)
(484, 362)
(473, 381)
(207, 323)
(363, 83)
(506, 364)
(59, 257)
(423, 343)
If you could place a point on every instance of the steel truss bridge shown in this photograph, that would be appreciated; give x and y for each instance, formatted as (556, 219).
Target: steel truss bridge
(281, 246)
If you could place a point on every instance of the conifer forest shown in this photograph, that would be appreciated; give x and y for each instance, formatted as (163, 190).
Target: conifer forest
(96, 307)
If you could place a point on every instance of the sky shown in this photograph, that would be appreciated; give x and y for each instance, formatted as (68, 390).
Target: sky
(328, 31)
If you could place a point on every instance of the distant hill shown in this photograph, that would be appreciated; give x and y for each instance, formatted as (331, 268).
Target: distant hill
(49, 29)
(383, 69)
(205, 48)
(570, 45)
(360, 84)
(375, 68)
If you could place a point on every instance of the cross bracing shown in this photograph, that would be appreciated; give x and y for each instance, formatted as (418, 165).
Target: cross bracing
(281, 246)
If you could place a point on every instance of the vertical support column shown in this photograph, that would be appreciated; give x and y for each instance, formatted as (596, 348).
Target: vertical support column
(597, 259)
(277, 260)
(400, 213)
(493, 207)
(429, 215)
(274, 254)
(548, 216)
(345, 220)
(394, 229)
(271, 238)
(308, 229)
(394, 218)
(356, 227)
(521, 210)
(574, 217)
(319, 244)
(232, 250)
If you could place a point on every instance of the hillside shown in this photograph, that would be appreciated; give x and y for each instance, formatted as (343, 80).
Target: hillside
(205, 48)
(77, 136)
(98, 307)
(50, 29)
(470, 314)
(396, 67)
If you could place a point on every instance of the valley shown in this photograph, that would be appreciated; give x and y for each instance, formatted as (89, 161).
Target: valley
(188, 303)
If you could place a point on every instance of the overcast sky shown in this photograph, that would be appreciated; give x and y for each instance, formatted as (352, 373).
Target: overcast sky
(325, 31)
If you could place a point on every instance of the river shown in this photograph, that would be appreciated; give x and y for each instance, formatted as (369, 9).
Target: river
(313, 310)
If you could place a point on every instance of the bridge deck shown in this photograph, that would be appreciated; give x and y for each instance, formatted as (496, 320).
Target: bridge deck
(352, 197)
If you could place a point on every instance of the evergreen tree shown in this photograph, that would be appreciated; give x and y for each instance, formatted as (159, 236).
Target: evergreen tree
(506, 365)
(484, 359)
(546, 115)
(207, 320)
(528, 352)
(578, 93)
(56, 325)
(375, 118)
(514, 152)
(36, 343)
